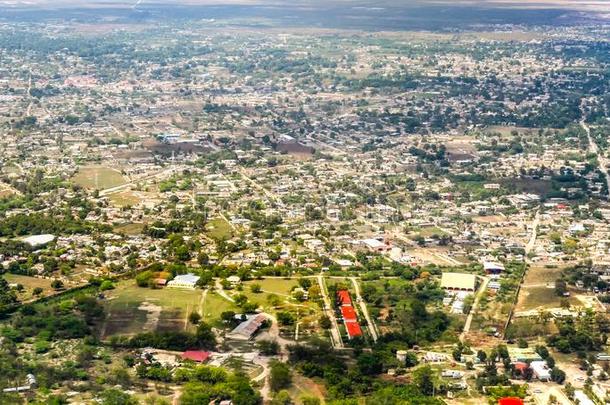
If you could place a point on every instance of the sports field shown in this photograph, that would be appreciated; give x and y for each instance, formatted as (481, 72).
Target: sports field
(98, 177)
(219, 229)
(131, 309)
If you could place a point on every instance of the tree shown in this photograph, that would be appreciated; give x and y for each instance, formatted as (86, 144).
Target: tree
(194, 318)
(274, 300)
(285, 318)
(570, 391)
(241, 300)
(542, 351)
(325, 322)
(106, 285)
(560, 287)
(227, 316)
(411, 360)
(203, 259)
(280, 376)
(205, 336)
(557, 375)
(268, 347)
(143, 279)
(282, 398)
(256, 288)
(310, 401)
(424, 379)
(37, 291)
(57, 284)
(369, 364)
(116, 397)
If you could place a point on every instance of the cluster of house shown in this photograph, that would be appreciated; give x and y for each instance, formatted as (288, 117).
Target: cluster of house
(522, 359)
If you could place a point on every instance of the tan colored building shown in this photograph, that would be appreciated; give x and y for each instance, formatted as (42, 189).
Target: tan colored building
(459, 281)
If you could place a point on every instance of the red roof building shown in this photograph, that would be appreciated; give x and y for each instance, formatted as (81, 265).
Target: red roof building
(353, 329)
(344, 298)
(510, 401)
(349, 314)
(521, 366)
(196, 356)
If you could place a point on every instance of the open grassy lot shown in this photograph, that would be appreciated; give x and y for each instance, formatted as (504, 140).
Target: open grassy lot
(307, 312)
(541, 297)
(98, 177)
(214, 305)
(538, 290)
(430, 231)
(131, 309)
(305, 387)
(124, 199)
(270, 286)
(277, 286)
(219, 229)
(130, 228)
(30, 283)
(542, 275)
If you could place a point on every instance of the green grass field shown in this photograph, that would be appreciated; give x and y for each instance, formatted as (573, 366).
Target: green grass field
(219, 229)
(165, 309)
(98, 177)
(214, 305)
(279, 287)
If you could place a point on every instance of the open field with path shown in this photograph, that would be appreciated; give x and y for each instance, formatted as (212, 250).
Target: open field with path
(98, 177)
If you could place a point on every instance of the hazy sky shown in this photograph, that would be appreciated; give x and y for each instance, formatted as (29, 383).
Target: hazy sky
(598, 5)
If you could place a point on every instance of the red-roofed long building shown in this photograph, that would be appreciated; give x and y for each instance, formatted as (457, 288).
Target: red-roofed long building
(353, 329)
(348, 313)
(510, 401)
(343, 297)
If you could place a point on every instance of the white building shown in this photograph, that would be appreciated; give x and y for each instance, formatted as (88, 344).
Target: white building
(39, 240)
(541, 371)
(234, 280)
(184, 281)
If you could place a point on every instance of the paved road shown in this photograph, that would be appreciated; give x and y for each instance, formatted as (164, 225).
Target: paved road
(364, 310)
(328, 310)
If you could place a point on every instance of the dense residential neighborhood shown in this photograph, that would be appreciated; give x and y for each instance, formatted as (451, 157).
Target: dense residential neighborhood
(209, 205)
